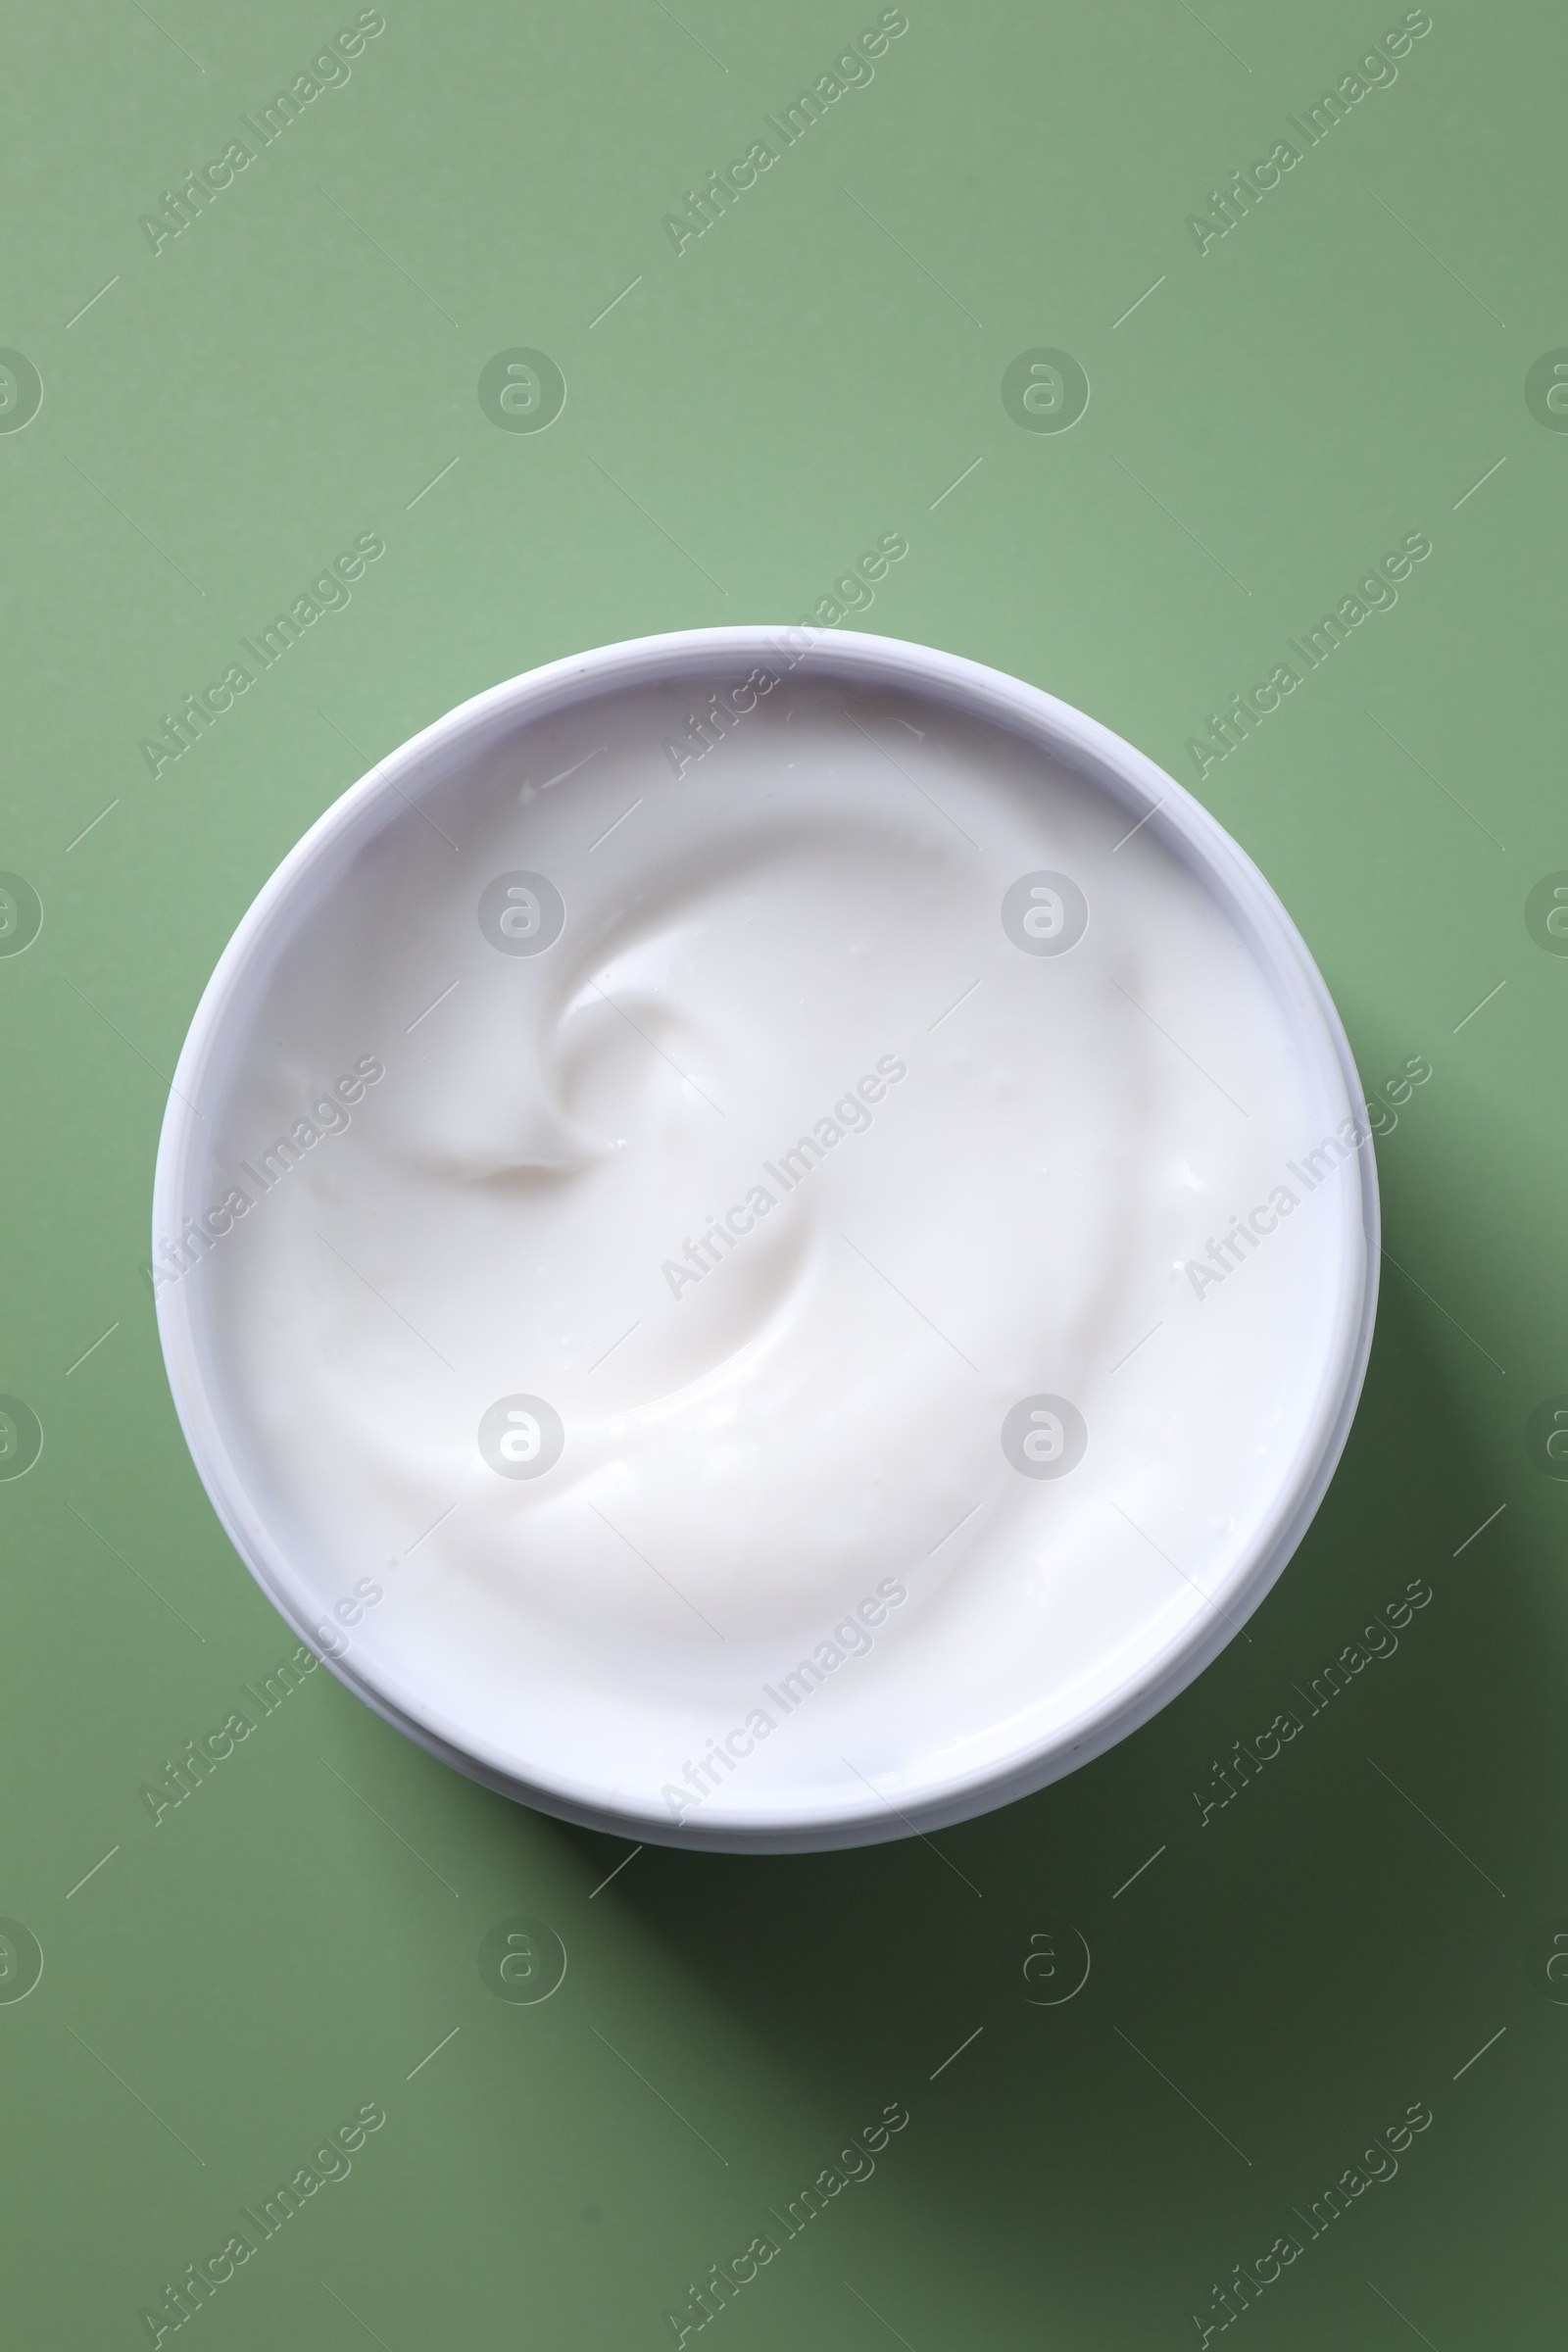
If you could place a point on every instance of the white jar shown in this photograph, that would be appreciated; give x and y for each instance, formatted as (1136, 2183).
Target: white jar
(765, 1237)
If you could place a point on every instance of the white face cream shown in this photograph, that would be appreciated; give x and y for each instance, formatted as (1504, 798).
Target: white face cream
(767, 1279)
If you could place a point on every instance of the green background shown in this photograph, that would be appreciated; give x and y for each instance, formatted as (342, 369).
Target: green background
(293, 370)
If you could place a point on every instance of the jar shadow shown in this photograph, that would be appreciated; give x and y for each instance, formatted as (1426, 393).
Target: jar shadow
(1192, 1982)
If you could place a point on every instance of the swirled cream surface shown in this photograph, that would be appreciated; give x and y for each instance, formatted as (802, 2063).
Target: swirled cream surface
(766, 1265)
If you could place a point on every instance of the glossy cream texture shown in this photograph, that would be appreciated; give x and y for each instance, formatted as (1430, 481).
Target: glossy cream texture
(778, 1177)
